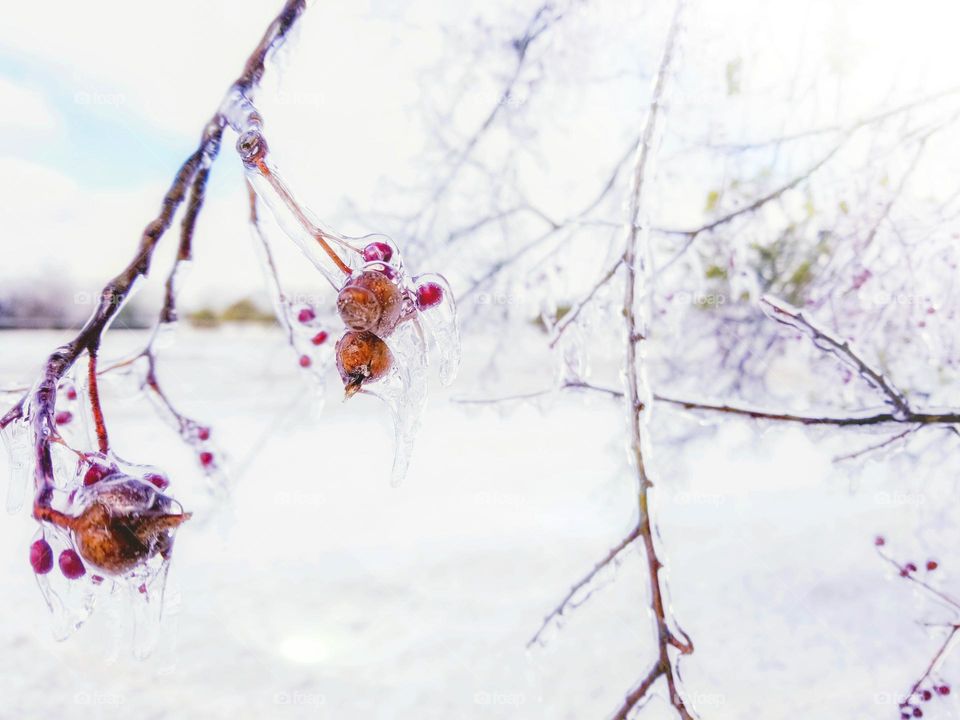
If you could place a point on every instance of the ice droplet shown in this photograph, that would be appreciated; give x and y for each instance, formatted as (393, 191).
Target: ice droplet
(17, 440)
(404, 392)
(442, 328)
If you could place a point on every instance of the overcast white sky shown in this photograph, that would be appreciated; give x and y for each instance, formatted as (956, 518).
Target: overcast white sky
(100, 102)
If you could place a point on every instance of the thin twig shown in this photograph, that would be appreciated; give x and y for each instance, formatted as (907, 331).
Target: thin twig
(790, 316)
(567, 601)
(575, 312)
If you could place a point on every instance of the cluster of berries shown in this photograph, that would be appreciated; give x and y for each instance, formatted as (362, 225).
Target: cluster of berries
(372, 303)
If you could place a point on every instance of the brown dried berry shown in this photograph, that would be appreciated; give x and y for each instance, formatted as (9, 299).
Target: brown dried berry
(371, 301)
(125, 523)
(362, 357)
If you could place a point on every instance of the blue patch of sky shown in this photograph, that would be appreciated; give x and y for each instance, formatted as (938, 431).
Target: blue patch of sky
(102, 142)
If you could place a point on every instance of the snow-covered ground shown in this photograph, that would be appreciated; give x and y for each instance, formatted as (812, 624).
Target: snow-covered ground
(318, 590)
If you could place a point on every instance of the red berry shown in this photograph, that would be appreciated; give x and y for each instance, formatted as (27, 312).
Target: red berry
(320, 338)
(932, 565)
(305, 361)
(206, 458)
(71, 393)
(879, 541)
(910, 567)
(943, 690)
(71, 565)
(203, 433)
(917, 712)
(377, 251)
(306, 315)
(142, 588)
(157, 480)
(96, 579)
(95, 474)
(63, 417)
(925, 695)
(41, 557)
(428, 295)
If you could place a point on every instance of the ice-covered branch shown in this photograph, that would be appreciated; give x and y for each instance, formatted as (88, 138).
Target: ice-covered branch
(638, 264)
(792, 317)
(113, 515)
(568, 601)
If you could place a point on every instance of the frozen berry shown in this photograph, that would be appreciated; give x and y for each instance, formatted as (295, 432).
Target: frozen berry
(157, 480)
(71, 565)
(95, 473)
(879, 541)
(125, 524)
(203, 433)
(63, 417)
(206, 458)
(428, 295)
(305, 361)
(377, 251)
(71, 393)
(932, 565)
(306, 315)
(362, 357)
(320, 338)
(370, 301)
(41, 557)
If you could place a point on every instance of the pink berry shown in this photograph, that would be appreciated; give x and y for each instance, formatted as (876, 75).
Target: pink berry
(203, 433)
(71, 393)
(305, 361)
(96, 579)
(932, 565)
(142, 588)
(320, 338)
(306, 315)
(428, 295)
(41, 557)
(910, 567)
(879, 541)
(377, 251)
(71, 565)
(943, 690)
(63, 417)
(95, 474)
(206, 458)
(157, 480)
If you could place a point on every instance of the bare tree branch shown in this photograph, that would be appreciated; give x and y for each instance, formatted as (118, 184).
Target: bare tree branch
(567, 601)
(117, 291)
(637, 261)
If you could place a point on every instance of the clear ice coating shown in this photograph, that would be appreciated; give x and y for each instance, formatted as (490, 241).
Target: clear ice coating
(790, 316)
(19, 445)
(113, 522)
(423, 320)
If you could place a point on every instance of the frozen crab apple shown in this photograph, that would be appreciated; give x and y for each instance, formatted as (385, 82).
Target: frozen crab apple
(124, 523)
(372, 301)
(362, 357)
